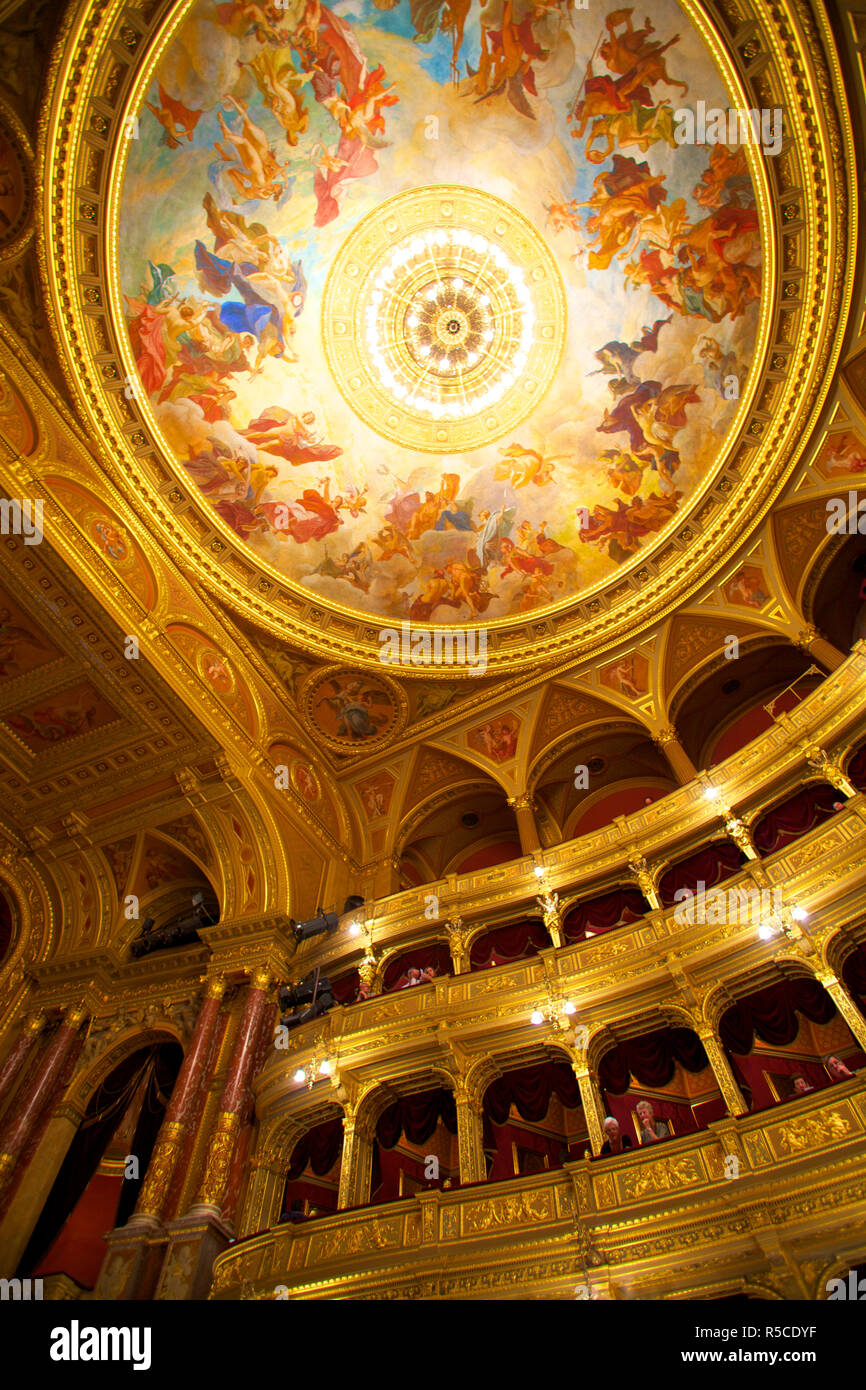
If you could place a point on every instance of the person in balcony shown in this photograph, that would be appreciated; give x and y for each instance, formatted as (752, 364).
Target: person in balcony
(837, 1068)
(801, 1086)
(651, 1129)
(427, 975)
(615, 1141)
(413, 977)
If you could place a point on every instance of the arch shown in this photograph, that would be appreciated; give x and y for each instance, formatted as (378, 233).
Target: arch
(835, 591)
(121, 1119)
(721, 692)
(600, 762)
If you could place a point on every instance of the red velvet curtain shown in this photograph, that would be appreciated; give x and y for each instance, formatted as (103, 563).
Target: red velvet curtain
(616, 909)
(651, 1059)
(345, 987)
(854, 971)
(435, 954)
(857, 769)
(508, 943)
(319, 1148)
(417, 1117)
(530, 1089)
(772, 1014)
(785, 823)
(712, 865)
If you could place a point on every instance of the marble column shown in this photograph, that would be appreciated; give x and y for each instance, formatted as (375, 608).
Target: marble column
(593, 1108)
(223, 1137)
(846, 1006)
(470, 1138)
(160, 1170)
(723, 1072)
(523, 808)
(195, 1239)
(681, 764)
(29, 1106)
(14, 1063)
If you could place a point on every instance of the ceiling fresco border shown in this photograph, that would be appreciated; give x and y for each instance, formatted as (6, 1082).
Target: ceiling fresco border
(93, 74)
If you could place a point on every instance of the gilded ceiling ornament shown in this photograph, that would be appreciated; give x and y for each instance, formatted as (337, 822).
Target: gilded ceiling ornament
(209, 314)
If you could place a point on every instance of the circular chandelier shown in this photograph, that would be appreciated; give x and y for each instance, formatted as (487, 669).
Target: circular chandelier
(443, 319)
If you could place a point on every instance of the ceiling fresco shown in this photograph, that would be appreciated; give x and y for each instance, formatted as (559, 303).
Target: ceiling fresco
(427, 300)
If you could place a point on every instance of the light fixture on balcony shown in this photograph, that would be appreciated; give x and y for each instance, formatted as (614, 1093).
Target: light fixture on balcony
(320, 1065)
(556, 1012)
(712, 793)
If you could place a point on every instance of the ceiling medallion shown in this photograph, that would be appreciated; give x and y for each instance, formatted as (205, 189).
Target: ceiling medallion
(443, 319)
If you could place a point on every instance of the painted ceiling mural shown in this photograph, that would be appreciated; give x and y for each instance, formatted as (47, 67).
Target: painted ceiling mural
(427, 299)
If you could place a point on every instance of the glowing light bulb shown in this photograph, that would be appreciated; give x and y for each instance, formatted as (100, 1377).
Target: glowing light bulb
(568, 1007)
(766, 932)
(712, 793)
(300, 1075)
(538, 871)
(536, 1017)
(799, 914)
(325, 1068)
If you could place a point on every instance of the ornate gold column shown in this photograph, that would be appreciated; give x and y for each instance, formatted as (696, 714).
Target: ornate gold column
(722, 1071)
(811, 641)
(14, 1064)
(470, 1137)
(820, 761)
(845, 1004)
(523, 807)
(681, 764)
(356, 1164)
(29, 1106)
(641, 872)
(222, 1140)
(739, 833)
(590, 1098)
(154, 1192)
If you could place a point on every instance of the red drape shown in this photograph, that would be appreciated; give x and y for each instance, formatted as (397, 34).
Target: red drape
(616, 909)
(712, 865)
(854, 971)
(345, 987)
(435, 954)
(651, 1059)
(795, 817)
(857, 769)
(505, 944)
(772, 1014)
(319, 1148)
(417, 1117)
(529, 1089)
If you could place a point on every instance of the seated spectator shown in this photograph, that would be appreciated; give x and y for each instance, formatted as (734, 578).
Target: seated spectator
(837, 1068)
(651, 1129)
(801, 1086)
(426, 975)
(615, 1142)
(413, 977)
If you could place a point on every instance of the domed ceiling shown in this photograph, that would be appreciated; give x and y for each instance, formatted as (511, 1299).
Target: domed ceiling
(427, 300)
(397, 310)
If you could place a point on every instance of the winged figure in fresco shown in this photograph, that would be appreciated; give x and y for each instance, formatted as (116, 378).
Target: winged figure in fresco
(651, 415)
(294, 438)
(623, 197)
(623, 527)
(254, 169)
(632, 53)
(493, 529)
(352, 704)
(175, 118)
(617, 359)
(521, 466)
(11, 638)
(281, 85)
(449, 16)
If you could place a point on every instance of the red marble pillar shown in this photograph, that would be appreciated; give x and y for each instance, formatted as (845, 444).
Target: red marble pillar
(14, 1064)
(157, 1183)
(28, 1107)
(212, 1190)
